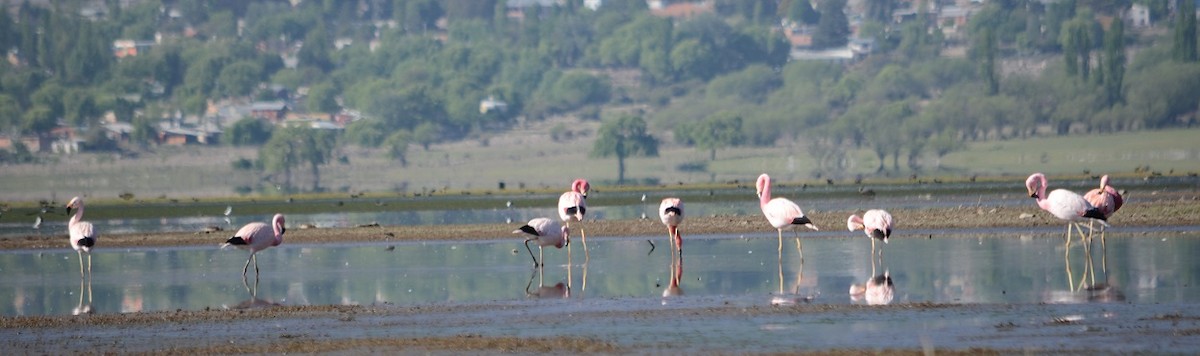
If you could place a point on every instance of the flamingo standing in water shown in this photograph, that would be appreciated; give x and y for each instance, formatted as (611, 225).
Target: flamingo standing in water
(83, 234)
(671, 213)
(781, 212)
(256, 237)
(1106, 199)
(876, 223)
(572, 205)
(545, 232)
(1063, 204)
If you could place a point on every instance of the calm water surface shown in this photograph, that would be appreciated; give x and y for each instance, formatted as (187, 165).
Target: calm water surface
(1157, 268)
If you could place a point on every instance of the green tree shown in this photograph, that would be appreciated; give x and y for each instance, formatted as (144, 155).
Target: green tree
(322, 98)
(239, 78)
(1114, 63)
(366, 132)
(717, 131)
(624, 137)
(10, 112)
(292, 147)
(985, 54)
(802, 11)
(1184, 39)
(833, 30)
(248, 132)
(397, 146)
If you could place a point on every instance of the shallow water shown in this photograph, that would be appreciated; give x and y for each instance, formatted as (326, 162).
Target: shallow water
(1158, 268)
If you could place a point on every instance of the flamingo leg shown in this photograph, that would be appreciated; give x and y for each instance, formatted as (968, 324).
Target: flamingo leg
(535, 260)
(1103, 254)
(80, 253)
(246, 268)
(1067, 259)
(587, 256)
(89, 268)
(781, 269)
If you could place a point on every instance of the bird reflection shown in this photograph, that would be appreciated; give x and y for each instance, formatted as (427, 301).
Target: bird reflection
(784, 298)
(558, 290)
(1088, 289)
(84, 308)
(254, 302)
(877, 290)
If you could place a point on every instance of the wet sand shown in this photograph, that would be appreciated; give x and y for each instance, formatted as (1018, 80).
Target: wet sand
(563, 326)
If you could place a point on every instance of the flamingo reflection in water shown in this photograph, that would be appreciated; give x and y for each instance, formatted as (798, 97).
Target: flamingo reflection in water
(255, 302)
(673, 289)
(795, 296)
(877, 290)
(558, 290)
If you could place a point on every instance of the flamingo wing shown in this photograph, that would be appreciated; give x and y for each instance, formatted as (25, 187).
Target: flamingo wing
(571, 206)
(781, 212)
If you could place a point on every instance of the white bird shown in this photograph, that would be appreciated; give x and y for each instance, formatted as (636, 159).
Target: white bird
(545, 232)
(256, 237)
(671, 213)
(572, 206)
(781, 212)
(82, 233)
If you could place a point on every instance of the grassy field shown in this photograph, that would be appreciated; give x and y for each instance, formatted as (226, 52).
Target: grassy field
(527, 159)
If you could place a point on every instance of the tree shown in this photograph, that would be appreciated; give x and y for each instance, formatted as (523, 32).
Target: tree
(1114, 63)
(239, 78)
(802, 11)
(719, 130)
(985, 53)
(248, 132)
(833, 29)
(397, 146)
(294, 146)
(624, 137)
(1184, 39)
(322, 98)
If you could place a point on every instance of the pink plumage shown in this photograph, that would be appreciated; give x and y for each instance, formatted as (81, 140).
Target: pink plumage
(780, 212)
(1063, 204)
(671, 213)
(1106, 198)
(875, 223)
(544, 232)
(572, 206)
(257, 236)
(82, 234)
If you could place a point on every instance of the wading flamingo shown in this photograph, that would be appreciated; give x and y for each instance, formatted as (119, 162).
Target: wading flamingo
(545, 232)
(1063, 204)
(781, 212)
(876, 223)
(671, 213)
(1106, 199)
(572, 205)
(83, 234)
(256, 236)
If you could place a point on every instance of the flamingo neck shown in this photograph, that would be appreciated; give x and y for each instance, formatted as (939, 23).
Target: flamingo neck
(765, 196)
(78, 215)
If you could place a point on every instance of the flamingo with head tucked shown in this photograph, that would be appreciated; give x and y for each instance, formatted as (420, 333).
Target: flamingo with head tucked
(1063, 204)
(781, 212)
(876, 223)
(545, 232)
(572, 206)
(83, 234)
(671, 213)
(256, 236)
(1106, 199)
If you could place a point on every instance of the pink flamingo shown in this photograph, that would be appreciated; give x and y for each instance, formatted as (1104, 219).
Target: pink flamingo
(572, 205)
(876, 223)
(671, 213)
(256, 237)
(1106, 198)
(781, 212)
(83, 234)
(1063, 204)
(545, 232)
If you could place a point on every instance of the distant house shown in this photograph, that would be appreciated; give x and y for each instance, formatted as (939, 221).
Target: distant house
(118, 131)
(1139, 16)
(679, 10)
(178, 136)
(491, 104)
(273, 111)
(130, 48)
(518, 9)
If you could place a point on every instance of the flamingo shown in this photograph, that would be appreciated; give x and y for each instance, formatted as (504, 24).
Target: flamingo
(781, 212)
(572, 205)
(83, 234)
(1063, 204)
(1106, 198)
(255, 237)
(878, 290)
(545, 232)
(671, 213)
(876, 223)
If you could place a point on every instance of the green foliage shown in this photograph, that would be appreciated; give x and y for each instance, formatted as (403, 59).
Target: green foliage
(624, 137)
(717, 131)
(248, 132)
(397, 146)
(292, 147)
(365, 133)
(833, 29)
(1184, 35)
